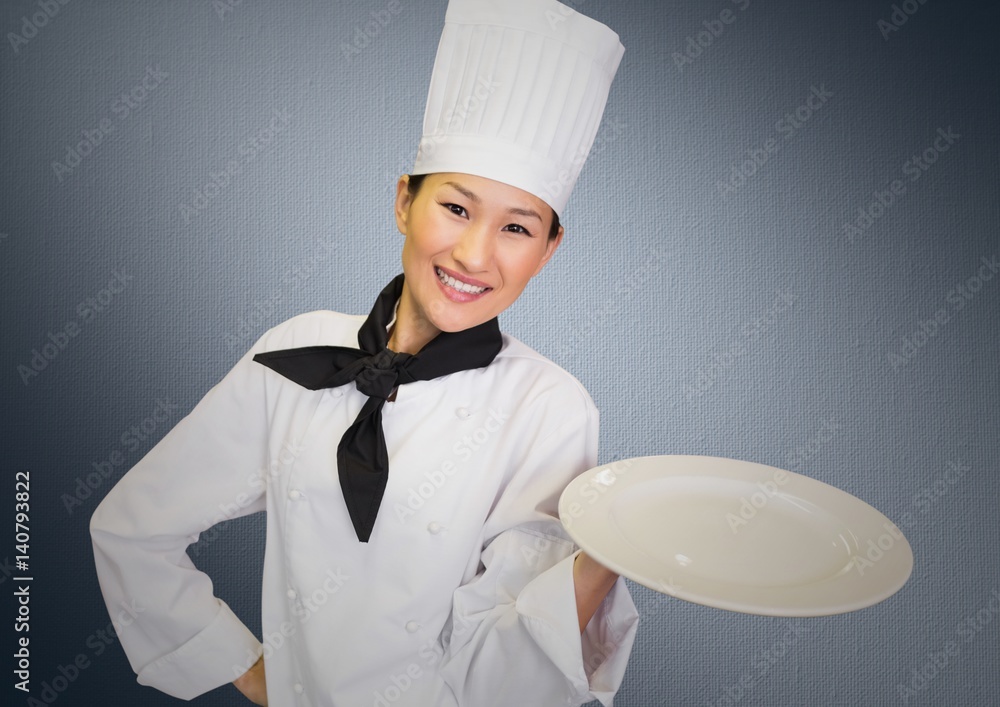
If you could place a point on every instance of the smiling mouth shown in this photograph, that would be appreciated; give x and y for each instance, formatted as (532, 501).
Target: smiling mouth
(458, 285)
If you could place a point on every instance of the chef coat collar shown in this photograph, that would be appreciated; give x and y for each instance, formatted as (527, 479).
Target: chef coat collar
(376, 370)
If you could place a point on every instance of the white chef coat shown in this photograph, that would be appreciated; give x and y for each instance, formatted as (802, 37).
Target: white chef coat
(464, 593)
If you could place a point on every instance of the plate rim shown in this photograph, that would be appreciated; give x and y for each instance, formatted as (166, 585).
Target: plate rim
(881, 591)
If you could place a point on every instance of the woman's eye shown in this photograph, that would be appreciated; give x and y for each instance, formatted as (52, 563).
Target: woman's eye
(455, 209)
(518, 228)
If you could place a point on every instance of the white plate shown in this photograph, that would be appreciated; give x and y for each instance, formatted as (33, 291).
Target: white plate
(736, 535)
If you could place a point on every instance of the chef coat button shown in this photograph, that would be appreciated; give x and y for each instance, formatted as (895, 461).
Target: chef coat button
(463, 413)
(434, 527)
(291, 594)
(298, 688)
(336, 392)
(295, 494)
(412, 626)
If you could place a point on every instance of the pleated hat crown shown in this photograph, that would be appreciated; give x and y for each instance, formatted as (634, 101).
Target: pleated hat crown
(517, 94)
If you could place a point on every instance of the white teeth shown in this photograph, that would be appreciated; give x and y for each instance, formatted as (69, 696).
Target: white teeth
(458, 284)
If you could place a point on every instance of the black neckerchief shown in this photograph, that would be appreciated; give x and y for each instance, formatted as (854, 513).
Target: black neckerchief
(362, 459)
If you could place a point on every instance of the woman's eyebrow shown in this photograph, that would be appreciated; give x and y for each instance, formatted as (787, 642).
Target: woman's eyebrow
(475, 199)
(524, 212)
(464, 192)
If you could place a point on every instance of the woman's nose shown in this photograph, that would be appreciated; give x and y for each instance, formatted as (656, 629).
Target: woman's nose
(474, 249)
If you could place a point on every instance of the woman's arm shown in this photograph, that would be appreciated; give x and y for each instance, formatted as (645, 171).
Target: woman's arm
(211, 466)
(515, 632)
(253, 684)
(592, 582)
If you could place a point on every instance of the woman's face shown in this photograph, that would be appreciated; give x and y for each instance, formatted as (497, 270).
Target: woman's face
(472, 244)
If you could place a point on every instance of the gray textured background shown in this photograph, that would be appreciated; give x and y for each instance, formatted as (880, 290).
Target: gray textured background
(669, 299)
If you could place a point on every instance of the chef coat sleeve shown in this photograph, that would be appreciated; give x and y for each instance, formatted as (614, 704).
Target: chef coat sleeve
(210, 467)
(514, 634)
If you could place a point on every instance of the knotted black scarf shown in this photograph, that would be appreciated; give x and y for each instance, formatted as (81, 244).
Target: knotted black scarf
(362, 459)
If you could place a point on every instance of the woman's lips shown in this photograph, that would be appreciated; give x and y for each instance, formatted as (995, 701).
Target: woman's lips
(458, 289)
(461, 278)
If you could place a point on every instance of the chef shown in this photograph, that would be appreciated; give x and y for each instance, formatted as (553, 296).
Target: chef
(409, 460)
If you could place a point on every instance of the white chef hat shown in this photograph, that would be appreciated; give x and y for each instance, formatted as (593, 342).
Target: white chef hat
(517, 94)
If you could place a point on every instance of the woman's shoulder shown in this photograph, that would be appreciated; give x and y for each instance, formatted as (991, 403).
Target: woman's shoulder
(520, 367)
(318, 328)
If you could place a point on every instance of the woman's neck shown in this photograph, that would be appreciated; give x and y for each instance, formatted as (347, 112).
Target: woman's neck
(410, 332)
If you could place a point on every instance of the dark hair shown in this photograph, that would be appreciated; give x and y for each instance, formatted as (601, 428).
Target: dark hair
(413, 186)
